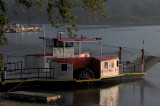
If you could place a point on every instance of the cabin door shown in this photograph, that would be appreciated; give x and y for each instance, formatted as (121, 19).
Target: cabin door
(105, 69)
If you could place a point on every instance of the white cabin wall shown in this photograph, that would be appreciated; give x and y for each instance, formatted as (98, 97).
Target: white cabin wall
(110, 71)
(37, 62)
(58, 52)
(59, 74)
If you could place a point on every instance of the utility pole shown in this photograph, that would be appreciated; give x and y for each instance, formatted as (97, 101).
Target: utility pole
(120, 55)
(44, 46)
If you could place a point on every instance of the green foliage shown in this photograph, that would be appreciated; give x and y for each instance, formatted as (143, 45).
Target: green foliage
(26, 5)
(60, 12)
(31, 3)
(94, 6)
(3, 22)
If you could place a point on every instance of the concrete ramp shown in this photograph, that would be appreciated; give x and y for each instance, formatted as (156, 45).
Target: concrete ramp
(150, 61)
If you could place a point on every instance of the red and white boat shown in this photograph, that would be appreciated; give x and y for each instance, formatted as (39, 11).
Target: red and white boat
(64, 64)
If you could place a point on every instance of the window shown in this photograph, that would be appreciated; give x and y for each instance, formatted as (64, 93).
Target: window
(117, 63)
(64, 67)
(49, 43)
(61, 44)
(112, 64)
(58, 44)
(69, 44)
(106, 65)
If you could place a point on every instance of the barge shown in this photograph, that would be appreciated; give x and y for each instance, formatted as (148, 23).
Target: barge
(60, 63)
(19, 29)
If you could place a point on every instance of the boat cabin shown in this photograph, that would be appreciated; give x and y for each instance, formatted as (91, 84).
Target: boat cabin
(60, 55)
(85, 67)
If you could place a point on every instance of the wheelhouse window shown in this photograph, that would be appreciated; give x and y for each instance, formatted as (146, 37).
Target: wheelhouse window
(61, 44)
(49, 43)
(64, 67)
(69, 44)
(56, 43)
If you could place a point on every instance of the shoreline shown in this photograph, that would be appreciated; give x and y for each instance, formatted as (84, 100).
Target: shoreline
(109, 24)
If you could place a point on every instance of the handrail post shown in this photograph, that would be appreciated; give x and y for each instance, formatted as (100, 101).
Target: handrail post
(38, 73)
(46, 73)
(50, 73)
(134, 68)
(123, 67)
(21, 69)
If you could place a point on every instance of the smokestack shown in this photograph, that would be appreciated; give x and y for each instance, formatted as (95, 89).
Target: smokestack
(58, 35)
(61, 35)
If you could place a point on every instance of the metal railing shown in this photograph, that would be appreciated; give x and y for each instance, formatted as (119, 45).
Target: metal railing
(134, 68)
(27, 74)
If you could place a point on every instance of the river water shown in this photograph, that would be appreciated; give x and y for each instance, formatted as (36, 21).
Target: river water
(144, 92)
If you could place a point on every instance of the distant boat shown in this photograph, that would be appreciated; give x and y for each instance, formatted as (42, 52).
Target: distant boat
(17, 28)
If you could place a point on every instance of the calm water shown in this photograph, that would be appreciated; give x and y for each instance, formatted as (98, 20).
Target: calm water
(145, 92)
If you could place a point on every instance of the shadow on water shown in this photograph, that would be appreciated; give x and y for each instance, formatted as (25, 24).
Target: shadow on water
(102, 93)
(63, 86)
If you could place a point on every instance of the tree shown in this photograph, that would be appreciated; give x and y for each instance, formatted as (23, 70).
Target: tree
(3, 22)
(64, 15)
(59, 12)
(26, 5)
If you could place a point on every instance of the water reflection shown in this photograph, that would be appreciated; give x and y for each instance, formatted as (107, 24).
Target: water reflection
(107, 96)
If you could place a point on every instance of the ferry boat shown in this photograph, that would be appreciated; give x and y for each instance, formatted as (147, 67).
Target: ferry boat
(65, 64)
(60, 63)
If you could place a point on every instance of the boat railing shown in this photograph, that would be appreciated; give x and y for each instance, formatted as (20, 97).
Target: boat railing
(133, 68)
(27, 74)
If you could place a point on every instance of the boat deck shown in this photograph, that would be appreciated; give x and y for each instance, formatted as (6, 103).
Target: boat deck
(131, 71)
(46, 78)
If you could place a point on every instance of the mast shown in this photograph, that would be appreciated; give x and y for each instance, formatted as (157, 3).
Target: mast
(101, 48)
(143, 58)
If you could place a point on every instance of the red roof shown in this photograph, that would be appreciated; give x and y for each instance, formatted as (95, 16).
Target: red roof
(77, 40)
(104, 58)
(85, 62)
(39, 55)
(81, 53)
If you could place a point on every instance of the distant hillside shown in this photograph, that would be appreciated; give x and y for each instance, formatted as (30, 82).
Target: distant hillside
(119, 11)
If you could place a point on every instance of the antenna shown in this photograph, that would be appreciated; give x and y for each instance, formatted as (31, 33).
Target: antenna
(143, 44)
